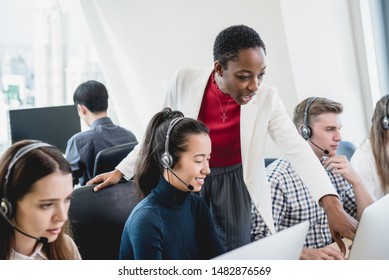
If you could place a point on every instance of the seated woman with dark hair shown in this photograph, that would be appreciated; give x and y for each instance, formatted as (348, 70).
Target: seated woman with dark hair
(172, 222)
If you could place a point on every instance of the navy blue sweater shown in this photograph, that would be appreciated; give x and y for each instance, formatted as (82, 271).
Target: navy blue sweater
(170, 224)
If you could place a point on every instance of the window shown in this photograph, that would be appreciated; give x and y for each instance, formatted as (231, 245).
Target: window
(45, 53)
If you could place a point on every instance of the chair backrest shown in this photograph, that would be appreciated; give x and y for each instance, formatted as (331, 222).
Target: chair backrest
(346, 148)
(98, 218)
(269, 161)
(109, 158)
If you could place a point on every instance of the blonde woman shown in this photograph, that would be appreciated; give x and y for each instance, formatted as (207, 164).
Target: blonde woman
(371, 159)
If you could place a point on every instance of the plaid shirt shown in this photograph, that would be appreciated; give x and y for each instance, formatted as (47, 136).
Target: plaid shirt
(292, 203)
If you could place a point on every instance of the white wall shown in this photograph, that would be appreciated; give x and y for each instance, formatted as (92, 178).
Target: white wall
(309, 44)
(324, 59)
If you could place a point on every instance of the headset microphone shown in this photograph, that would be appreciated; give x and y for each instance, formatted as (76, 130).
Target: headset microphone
(324, 150)
(189, 186)
(305, 130)
(43, 240)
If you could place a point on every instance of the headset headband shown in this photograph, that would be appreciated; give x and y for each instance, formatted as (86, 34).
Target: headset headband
(309, 103)
(171, 125)
(167, 159)
(19, 154)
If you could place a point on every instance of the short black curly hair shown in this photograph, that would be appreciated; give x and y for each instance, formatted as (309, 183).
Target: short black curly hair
(231, 40)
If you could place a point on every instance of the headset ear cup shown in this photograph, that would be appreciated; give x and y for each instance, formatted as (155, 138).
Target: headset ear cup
(305, 132)
(385, 123)
(6, 207)
(167, 160)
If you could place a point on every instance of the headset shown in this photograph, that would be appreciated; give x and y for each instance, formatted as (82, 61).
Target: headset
(305, 130)
(385, 119)
(6, 206)
(166, 159)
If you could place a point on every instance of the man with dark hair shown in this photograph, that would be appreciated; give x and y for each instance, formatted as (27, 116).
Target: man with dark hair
(91, 99)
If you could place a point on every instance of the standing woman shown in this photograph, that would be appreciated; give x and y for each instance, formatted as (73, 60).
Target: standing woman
(371, 159)
(171, 222)
(35, 192)
(241, 111)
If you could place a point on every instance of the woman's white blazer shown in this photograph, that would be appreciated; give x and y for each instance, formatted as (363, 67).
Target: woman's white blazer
(264, 115)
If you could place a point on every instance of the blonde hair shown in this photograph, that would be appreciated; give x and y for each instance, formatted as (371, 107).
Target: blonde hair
(319, 106)
(378, 139)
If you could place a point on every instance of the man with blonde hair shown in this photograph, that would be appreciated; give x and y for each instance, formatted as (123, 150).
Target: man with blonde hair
(318, 121)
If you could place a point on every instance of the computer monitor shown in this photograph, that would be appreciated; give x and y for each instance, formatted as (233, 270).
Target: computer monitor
(371, 239)
(53, 125)
(283, 245)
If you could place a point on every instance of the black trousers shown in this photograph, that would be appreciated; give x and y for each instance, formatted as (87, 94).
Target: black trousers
(229, 202)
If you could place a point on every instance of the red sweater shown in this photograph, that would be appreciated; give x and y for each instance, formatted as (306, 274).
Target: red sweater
(225, 136)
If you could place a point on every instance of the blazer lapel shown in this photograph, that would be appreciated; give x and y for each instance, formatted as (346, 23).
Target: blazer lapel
(247, 120)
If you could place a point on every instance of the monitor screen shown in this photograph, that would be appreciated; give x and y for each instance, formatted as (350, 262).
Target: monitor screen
(53, 125)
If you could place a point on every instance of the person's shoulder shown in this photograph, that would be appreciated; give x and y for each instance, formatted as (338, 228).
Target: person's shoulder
(283, 177)
(265, 88)
(128, 132)
(144, 217)
(365, 150)
(279, 165)
(267, 95)
(79, 138)
(76, 136)
(279, 168)
(121, 131)
(82, 135)
(366, 146)
(146, 209)
(193, 72)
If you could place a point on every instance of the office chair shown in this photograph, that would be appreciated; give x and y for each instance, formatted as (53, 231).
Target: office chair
(107, 159)
(98, 218)
(346, 148)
